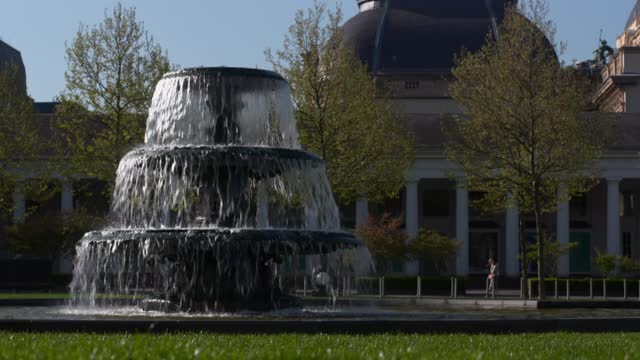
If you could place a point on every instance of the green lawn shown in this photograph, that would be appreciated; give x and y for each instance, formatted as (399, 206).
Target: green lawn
(56, 296)
(32, 296)
(181, 346)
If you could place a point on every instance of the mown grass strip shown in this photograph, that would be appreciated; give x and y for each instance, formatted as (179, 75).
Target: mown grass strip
(60, 296)
(209, 346)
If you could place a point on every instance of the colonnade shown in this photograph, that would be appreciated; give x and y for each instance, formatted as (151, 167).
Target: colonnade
(512, 245)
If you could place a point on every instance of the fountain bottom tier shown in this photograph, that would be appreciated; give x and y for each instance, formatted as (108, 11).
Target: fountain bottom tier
(195, 269)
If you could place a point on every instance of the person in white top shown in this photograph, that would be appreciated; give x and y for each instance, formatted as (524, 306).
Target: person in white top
(491, 278)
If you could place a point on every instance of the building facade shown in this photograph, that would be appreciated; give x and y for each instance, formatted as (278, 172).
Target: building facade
(410, 46)
(67, 193)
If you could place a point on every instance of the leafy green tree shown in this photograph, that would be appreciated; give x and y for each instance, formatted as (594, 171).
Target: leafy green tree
(628, 265)
(606, 262)
(49, 234)
(113, 68)
(385, 238)
(341, 114)
(553, 250)
(521, 139)
(433, 246)
(22, 146)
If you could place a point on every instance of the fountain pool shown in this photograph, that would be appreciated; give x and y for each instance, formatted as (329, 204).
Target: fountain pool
(217, 203)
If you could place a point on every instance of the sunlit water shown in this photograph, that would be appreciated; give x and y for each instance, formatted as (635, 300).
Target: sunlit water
(220, 206)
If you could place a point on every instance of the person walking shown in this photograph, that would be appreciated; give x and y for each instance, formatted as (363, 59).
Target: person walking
(491, 278)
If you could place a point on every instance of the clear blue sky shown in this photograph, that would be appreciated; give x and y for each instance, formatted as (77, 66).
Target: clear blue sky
(231, 32)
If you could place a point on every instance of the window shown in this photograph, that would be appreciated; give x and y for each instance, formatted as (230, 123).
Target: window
(628, 203)
(435, 202)
(91, 195)
(397, 266)
(580, 253)
(578, 206)
(348, 215)
(412, 84)
(626, 244)
(475, 200)
(302, 263)
(482, 246)
(42, 197)
(394, 206)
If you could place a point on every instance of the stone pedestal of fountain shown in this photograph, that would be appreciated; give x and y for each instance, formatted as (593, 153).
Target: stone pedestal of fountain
(216, 198)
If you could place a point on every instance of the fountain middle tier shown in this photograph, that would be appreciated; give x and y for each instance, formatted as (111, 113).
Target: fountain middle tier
(223, 186)
(195, 269)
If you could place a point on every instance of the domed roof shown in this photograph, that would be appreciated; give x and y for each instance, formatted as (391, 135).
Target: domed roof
(635, 13)
(420, 36)
(10, 56)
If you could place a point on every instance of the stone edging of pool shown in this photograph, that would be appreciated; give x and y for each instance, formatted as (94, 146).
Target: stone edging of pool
(352, 326)
(484, 303)
(439, 302)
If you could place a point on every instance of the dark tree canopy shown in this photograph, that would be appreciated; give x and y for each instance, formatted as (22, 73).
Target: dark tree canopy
(341, 115)
(113, 68)
(22, 145)
(521, 139)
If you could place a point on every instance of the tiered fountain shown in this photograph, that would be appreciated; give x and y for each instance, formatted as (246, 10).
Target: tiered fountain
(220, 193)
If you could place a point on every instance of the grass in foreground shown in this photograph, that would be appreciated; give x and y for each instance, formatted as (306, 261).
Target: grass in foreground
(34, 296)
(58, 296)
(206, 346)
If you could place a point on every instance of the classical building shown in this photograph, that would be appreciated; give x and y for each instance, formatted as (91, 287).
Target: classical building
(64, 199)
(410, 45)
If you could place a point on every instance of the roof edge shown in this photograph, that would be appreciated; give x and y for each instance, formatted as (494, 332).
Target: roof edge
(9, 46)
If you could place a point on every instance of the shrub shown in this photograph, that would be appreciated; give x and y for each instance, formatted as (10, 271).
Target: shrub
(385, 239)
(552, 250)
(628, 265)
(49, 234)
(606, 263)
(433, 246)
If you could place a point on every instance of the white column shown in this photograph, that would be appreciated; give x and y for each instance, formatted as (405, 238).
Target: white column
(562, 230)
(512, 242)
(613, 216)
(362, 211)
(19, 203)
(66, 198)
(411, 221)
(462, 230)
(262, 209)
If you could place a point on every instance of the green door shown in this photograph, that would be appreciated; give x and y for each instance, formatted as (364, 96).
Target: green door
(580, 254)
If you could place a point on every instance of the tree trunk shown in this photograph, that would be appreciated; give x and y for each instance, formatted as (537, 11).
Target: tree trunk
(524, 264)
(540, 242)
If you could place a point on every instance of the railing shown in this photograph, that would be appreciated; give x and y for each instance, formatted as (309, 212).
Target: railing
(376, 286)
(556, 288)
(614, 67)
(618, 285)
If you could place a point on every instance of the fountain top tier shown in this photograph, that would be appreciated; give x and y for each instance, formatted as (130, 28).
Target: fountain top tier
(222, 106)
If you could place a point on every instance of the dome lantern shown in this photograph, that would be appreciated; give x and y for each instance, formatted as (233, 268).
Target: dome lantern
(366, 5)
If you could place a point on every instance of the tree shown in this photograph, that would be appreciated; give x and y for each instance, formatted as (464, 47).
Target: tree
(606, 263)
(521, 139)
(21, 143)
(50, 234)
(435, 247)
(341, 115)
(552, 250)
(112, 72)
(385, 238)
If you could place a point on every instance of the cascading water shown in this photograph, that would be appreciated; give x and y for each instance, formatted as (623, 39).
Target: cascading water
(220, 193)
